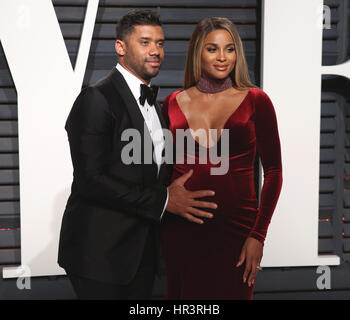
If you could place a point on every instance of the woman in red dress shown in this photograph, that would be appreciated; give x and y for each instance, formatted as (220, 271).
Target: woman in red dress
(219, 257)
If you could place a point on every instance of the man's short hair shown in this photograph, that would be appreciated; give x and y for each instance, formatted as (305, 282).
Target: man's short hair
(135, 17)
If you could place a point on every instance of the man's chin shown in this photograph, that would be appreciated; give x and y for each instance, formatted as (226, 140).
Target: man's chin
(152, 70)
(152, 74)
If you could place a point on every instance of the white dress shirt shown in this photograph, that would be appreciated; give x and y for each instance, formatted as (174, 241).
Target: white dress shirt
(150, 116)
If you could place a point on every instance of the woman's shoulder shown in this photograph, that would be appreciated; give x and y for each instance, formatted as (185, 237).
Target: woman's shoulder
(169, 101)
(262, 101)
(172, 95)
(170, 98)
(258, 92)
(255, 89)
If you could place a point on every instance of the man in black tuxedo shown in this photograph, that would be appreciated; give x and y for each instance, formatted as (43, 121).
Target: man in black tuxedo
(109, 241)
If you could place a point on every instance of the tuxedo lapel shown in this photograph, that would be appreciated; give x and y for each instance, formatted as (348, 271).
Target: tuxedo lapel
(137, 119)
(160, 115)
(164, 126)
(131, 105)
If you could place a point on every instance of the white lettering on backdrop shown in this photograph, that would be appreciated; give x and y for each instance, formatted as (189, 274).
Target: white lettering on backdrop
(46, 88)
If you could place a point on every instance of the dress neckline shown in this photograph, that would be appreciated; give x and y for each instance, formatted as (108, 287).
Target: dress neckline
(227, 120)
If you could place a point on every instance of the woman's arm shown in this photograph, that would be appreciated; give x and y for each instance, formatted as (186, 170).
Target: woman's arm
(269, 150)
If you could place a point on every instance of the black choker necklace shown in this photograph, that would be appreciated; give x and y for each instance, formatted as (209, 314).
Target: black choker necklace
(214, 85)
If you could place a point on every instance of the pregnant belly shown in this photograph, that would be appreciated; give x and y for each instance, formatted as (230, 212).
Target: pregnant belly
(234, 191)
(235, 215)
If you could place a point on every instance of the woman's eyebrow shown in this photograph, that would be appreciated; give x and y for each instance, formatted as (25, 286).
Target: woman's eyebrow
(215, 44)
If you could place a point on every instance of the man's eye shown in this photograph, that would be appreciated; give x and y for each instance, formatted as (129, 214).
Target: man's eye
(144, 43)
(161, 44)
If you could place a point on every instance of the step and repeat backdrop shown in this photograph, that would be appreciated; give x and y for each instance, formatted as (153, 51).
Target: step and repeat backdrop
(297, 52)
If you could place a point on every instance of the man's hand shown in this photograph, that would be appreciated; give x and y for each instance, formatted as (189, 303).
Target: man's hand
(182, 202)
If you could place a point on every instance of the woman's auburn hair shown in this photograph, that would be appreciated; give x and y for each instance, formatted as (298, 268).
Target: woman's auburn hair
(239, 75)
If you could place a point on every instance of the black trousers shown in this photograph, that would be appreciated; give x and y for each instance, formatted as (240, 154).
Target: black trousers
(140, 288)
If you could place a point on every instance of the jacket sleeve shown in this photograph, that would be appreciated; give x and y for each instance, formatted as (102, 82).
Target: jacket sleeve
(90, 127)
(269, 150)
(166, 116)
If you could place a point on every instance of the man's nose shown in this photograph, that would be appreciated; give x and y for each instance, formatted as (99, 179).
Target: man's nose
(154, 50)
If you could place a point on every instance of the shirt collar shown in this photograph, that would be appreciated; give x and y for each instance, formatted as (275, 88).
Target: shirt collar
(132, 81)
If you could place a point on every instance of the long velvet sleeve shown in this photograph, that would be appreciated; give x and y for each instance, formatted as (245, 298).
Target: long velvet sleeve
(269, 150)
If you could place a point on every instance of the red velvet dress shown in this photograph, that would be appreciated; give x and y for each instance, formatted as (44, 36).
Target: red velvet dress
(201, 260)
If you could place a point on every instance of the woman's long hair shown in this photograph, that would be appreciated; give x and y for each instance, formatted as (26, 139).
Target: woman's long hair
(239, 75)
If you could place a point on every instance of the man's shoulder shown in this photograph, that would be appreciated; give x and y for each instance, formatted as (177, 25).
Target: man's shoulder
(107, 88)
(103, 94)
(105, 85)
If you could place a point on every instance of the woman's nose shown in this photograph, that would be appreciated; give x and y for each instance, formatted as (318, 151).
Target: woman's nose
(221, 56)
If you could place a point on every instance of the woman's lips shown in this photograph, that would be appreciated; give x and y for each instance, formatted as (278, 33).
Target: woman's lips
(220, 68)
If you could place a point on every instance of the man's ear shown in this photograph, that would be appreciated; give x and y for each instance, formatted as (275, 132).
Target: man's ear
(120, 47)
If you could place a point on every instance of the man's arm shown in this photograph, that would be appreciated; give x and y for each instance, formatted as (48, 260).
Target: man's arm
(166, 203)
(90, 131)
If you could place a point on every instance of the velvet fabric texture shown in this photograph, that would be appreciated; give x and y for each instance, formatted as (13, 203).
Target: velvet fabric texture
(200, 259)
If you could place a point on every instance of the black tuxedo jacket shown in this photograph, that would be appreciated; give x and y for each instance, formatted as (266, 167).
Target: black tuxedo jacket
(112, 205)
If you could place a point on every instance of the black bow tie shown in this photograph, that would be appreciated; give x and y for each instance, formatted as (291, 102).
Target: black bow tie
(149, 93)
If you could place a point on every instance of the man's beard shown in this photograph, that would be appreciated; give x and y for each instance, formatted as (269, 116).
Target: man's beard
(148, 75)
(142, 72)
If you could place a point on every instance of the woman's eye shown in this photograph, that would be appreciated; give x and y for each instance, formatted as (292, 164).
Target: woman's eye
(231, 49)
(211, 49)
